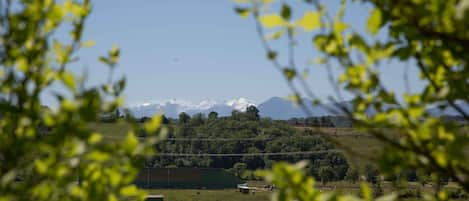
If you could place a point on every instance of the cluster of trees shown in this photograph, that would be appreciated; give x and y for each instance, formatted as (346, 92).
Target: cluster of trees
(346, 122)
(322, 121)
(244, 133)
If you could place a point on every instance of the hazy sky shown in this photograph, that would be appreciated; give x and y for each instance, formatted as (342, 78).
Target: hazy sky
(195, 50)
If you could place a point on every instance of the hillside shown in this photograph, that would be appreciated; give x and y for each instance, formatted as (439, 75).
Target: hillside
(240, 142)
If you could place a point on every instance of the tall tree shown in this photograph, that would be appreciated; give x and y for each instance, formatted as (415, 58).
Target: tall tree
(184, 118)
(325, 174)
(198, 119)
(252, 112)
(212, 115)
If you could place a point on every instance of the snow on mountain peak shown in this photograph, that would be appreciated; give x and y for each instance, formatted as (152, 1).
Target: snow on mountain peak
(145, 104)
(275, 108)
(173, 101)
(173, 107)
(205, 104)
(239, 104)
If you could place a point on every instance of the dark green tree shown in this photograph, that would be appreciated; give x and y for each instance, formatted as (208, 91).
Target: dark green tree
(326, 174)
(252, 112)
(184, 118)
(212, 115)
(371, 174)
(197, 119)
(352, 175)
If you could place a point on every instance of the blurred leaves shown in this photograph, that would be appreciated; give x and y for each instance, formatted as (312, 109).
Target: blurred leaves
(310, 21)
(433, 36)
(272, 21)
(374, 21)
(51, 153)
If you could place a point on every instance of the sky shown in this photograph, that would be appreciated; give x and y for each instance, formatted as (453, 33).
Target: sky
(196, 50)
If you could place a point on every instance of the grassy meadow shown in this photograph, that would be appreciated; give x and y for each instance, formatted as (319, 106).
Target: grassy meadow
(209, 195)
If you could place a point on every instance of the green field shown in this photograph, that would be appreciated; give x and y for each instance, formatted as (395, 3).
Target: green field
(111, 131)
(234, 195)
(209, 195)
(358, 147)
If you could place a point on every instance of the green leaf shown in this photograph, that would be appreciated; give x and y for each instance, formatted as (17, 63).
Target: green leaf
(94, 138)
(403, 53)
(41, 166)
(69, 80)
(320, 41)
(114, 52)
(104, 60)
(89, 43)
(271, 55)
(289, 73)
(310, 21)
(286, 12)
(358, 42)
(130, 143)
(129, 190)
(272, 21)
(374, 21)
(366, 192)
(339, 26)
(121, 84)
(22, 64)
(98, 155)
(440, 157)
(275, 35)
(243, 12)
(154, 123)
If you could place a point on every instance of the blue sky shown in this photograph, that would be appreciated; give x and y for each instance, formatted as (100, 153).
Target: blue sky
(195, 50)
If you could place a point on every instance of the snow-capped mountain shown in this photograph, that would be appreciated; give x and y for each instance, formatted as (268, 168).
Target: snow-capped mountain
(275, 108)
(173, 107)
(281, 108)
(239, 104)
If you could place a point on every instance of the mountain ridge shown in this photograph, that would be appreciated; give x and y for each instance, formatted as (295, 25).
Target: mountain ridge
(274, 107)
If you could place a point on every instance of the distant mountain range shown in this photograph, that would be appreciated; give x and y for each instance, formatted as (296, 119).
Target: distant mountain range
(275, 108)
(173, 108)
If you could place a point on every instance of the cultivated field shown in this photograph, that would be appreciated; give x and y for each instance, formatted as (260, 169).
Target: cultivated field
(234, 195)
(209, 195)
